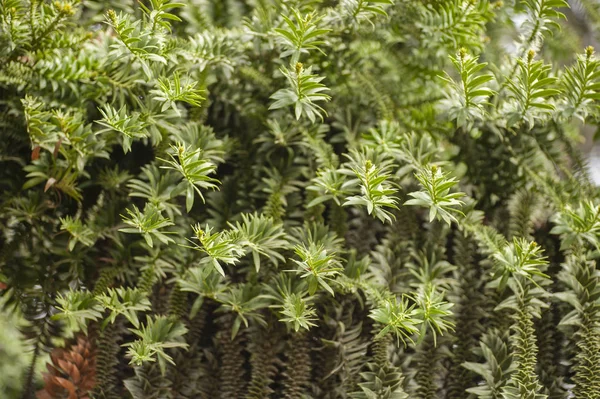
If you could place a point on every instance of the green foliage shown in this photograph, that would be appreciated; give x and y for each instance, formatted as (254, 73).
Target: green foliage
(306, 89)
(124, 301)
(172, 90)
(301, 36)
(148, 223)
(219, 247)
(129, 126)
(381, 382)
(455, 23)
(157, 335)
(13, 372)
(519, 258)
(457, 125)
(434, 312)
(244, 302)
(374, 188)
(134, 42)
(195, 171)
(530, 92)
(317, 266)
(523, 382)
(158, 189)
(203, 281)
(497, 367)
(469, 96)
(578, 226)
(261, 236)
(158, 14)
(542, 16)
(290, 299)
(297, 313)
(328, 184)
(436, 194)
(364, 10)
(580, 85)
(78, 307)
(397, 317)
(581, 277)
(79, 232)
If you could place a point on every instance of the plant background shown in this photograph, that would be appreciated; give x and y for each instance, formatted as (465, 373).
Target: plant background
(230, 90)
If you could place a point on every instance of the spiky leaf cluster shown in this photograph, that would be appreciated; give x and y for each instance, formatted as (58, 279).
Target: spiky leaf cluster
(293, 199)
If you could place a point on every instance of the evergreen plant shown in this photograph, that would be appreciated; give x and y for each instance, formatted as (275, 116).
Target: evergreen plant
(379, 199)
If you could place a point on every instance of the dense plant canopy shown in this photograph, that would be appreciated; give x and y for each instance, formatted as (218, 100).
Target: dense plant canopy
(298, 199)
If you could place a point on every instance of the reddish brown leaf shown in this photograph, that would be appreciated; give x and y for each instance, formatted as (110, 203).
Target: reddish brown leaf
(57, 148)
(43, 395)
(63, 382)
(35, 153)
(72, 371)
